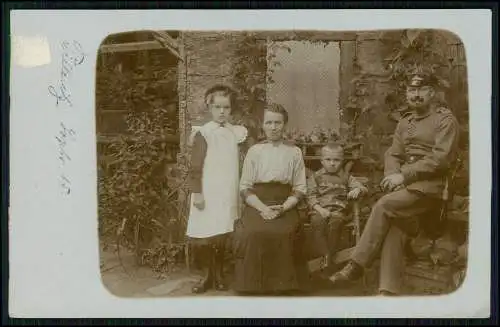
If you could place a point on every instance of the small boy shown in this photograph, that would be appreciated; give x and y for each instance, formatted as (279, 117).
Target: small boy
(214, 184)
(329, 190)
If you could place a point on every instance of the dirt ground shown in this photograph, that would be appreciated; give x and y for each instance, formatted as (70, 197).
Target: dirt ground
(125, 279)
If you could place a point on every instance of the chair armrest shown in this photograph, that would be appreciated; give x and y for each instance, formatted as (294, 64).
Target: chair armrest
(356, 219)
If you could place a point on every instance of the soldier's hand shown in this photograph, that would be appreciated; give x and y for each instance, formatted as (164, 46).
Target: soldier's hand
(397, 180)
(199, 201)
(385, 184)
(354, 194)
(391, 182)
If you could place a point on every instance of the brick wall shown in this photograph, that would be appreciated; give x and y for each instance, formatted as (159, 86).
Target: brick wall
(210, 56)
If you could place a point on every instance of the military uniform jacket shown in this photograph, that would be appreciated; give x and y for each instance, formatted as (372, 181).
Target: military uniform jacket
(424, 149)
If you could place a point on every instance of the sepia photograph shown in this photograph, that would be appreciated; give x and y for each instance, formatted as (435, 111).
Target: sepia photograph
(282, 163)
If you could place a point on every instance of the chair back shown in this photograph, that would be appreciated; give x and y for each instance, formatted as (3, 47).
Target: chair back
(434, 225)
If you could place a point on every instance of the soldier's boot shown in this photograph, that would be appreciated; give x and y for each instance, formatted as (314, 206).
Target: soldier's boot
(350, 273)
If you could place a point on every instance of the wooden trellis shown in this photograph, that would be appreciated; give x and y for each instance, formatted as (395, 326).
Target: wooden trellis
(162, 41)
(144, 43)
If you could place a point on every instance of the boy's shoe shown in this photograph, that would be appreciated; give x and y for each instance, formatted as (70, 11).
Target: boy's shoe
(325, 263)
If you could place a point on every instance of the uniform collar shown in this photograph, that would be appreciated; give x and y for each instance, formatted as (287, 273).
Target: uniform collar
(415, 116)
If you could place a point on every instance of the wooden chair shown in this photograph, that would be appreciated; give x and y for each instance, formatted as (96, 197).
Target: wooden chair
(421, 264)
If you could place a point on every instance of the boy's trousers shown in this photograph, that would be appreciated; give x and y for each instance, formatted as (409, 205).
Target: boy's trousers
(327, 233)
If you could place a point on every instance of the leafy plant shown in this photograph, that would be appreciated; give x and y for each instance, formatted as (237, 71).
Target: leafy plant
(371, 94)
(139, 181)
(255, 60)
(417, 50)
(249, 79)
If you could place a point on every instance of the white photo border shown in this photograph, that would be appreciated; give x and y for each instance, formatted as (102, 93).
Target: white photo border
(54, 265)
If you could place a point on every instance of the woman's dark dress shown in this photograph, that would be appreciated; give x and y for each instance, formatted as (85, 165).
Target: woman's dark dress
(268, 253)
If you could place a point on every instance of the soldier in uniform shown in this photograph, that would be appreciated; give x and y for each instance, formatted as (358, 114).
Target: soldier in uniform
(424, 148)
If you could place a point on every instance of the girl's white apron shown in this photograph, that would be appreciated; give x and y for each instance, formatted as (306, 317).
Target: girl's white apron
(220, 182)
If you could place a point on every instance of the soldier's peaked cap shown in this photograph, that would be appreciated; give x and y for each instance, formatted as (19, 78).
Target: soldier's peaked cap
(420, 76)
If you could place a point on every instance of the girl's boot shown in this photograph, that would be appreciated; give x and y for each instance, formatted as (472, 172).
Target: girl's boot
(208, 271)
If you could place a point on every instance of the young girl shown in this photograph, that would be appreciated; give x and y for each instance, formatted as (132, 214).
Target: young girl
(214, 176)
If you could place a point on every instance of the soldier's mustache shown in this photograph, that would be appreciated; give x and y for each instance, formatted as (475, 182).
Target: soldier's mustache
(417, 99)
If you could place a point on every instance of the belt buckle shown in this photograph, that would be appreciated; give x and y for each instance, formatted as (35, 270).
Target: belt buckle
(411, 159)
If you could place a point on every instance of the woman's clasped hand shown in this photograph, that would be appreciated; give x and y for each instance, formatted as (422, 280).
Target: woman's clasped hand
(271, 212)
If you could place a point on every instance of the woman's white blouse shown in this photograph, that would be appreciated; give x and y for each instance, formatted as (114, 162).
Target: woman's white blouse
(268, 162)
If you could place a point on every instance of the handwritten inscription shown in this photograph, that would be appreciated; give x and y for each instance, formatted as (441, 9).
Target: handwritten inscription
(72, 56)
(65, 184)
(64, 138)
(65, 135)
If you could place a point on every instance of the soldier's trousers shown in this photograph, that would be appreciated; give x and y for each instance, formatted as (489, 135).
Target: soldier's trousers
(394, 217)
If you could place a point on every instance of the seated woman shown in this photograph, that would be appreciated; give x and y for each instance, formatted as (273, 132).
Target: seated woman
(268, 237)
